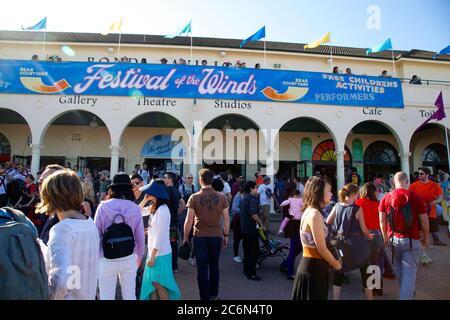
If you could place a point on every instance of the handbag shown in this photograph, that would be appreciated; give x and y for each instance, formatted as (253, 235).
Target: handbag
(185, 251)
(343, 246)
(292, 228)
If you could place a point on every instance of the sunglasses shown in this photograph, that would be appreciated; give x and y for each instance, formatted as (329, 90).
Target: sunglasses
(135, 184)
(421, 173)
(190, 178)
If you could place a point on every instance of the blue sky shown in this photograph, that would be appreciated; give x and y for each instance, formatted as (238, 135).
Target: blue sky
(411, 24)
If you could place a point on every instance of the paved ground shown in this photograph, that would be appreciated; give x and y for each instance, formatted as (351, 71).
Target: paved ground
(433, 282)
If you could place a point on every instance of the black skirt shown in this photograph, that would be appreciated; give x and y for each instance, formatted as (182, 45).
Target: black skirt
(311, 280)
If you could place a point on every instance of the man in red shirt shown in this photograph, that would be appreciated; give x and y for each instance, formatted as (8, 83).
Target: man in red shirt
(431, 193)
(405, 240)
(258, 178)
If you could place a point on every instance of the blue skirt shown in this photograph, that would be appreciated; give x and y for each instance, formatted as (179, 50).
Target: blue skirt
(161, 273)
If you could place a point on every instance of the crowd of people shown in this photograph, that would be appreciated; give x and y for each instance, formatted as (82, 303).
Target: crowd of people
(133, 227)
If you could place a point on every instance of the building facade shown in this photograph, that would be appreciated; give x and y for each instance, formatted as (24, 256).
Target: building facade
(299, 139)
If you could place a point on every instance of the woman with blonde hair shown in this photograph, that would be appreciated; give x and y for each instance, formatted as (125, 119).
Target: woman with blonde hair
(88, 204)
(348, 221)
(73, 245)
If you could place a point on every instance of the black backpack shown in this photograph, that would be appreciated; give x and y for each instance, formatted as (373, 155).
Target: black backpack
(185, 195)
(408, 220)
(118, 240)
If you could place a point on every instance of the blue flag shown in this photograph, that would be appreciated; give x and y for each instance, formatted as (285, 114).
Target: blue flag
(446, 50)
(38, 26)
(186, 29)
(261, 33)
(387, 45)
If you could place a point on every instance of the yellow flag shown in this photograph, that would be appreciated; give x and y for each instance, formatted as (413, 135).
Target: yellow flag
(316, 43)
(116, 26)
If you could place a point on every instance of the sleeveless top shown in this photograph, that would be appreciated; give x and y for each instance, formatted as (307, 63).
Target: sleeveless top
(309, 246)
(344, 218)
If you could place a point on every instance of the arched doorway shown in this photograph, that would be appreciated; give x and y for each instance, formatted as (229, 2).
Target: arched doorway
(380, 157)
(147, 139)
(240, 153)
(436, 157)
(296, 140)
(374, 150)
(79, 138)
(5, 149)
(428, 148)
(324, 160)
(15, 138)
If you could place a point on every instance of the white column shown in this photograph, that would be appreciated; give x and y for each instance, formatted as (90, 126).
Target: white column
(194, 167)
(115, 153)
(270, 172)
(196, 148)
(35, 158)
(404, 158)
(340, 169)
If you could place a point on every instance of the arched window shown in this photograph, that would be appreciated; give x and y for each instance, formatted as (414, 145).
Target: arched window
(381, 152)
(325, 151)
(435, 154)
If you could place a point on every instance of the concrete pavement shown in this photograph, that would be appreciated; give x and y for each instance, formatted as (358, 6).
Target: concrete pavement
(433, 281)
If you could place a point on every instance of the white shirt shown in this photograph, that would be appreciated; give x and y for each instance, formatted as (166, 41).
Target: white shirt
(19, 176)
(3, 183)
(145, 174)
(301, 188)
(11, 172)
(72, 260)
(262, 190)
(158, 232)
(226, 187)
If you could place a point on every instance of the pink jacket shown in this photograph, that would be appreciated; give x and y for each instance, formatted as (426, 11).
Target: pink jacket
(295, 208)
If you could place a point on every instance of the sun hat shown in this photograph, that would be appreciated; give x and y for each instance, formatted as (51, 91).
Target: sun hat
(156, 190)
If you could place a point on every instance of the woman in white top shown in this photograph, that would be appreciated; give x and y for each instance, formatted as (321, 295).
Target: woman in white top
(73, 247)
(159, 282)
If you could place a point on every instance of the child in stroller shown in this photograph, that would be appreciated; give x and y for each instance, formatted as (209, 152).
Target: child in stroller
(270, 248)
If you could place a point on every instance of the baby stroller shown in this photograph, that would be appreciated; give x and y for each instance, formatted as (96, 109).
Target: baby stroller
(270, 248)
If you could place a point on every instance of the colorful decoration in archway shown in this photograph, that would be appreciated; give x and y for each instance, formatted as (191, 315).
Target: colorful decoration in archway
(326, 151)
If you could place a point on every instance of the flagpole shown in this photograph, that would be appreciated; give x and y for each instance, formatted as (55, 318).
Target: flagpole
(43, 45)
(265, 55)
(446, 140)
(393, 62)
(118, 50)
(331, 53)
(191, 47)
